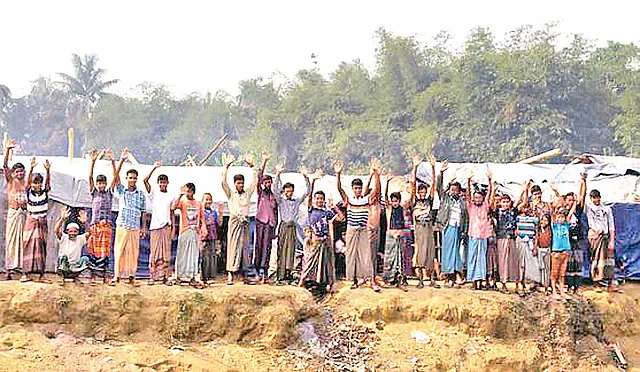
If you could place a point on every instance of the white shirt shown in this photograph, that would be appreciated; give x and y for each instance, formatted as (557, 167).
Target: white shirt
(456, 213)
(160, 209)
(71, 248)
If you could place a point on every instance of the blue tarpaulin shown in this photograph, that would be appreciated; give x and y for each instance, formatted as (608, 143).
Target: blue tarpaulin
(627, 221)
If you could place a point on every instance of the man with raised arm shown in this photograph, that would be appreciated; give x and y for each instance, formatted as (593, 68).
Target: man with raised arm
(17, 203)
(266, 219)
(421, 204)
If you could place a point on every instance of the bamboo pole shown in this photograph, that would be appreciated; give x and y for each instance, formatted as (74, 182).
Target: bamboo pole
(540, 157)
(214, 149)
(70, 135)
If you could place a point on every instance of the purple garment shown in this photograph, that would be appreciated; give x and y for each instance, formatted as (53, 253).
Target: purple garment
(318, 221)
(267, 203)
(101, 205)
(211, 219)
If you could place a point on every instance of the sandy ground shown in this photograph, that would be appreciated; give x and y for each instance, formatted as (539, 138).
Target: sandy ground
(248, 328)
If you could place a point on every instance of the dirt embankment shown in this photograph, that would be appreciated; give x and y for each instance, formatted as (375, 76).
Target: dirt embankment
(246, 328)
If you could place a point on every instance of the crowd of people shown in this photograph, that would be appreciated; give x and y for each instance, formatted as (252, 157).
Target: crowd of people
(477, 235)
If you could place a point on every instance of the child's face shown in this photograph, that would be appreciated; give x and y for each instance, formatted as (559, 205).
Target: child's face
(395, 202)
(505, 203)
(19, 173)
(454, 190)
(544, 222)
(357, 190)
(101, 185)
(560, 218)
(239, 185)
(595, 200)
(132, 179)
(288, 192)
(478, 198)
(162, 184)
(568, 200)
(36, 186)
(318, 200)
(267, 183)
(190, 194)
(207, 201)
(72, 232)
(422, 193)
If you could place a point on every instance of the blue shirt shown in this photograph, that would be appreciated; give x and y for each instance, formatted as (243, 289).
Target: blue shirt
(319, 222)
(131, 204)
(560, 242)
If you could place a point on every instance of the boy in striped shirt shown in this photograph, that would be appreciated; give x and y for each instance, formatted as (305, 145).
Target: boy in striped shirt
(526, 225)
(358, 255)
(35, 228)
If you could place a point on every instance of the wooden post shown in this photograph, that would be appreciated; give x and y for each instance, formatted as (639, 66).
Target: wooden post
(71, 142)
(539, 157)
(213, 149)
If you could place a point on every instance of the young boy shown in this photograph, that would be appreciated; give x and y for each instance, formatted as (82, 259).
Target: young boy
(506, 215)
(17, 203)
(160, 228)
(101, 225)
(543, 250)
(358, 257)
(522, 263)
(602, 237)
(71, 263)
(238, 249)
(192, 226)
(560, 248)
(288, 208)
(452, 220)
(394, 247)
(424, 257)
(35, 229)
(480, 230)
(129, 228)
(318, 264)
(210, 244)
(266, 219)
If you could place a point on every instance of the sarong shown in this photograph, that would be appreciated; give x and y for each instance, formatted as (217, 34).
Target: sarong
(238, 255)
(358, 253)
(508, 267)
(125, 252)
(264, 236)
(99, 246)
(209, 264)
(286, 247)
(576, 261)
(492, 258)
(477, 259)
(517, 260)
(394, 257)
(14, 243)
(68, 270)
(425, 247)
(317, 265)
(531, 266)
(602, 262)
(35, 245)
(160, 252)
(188, 254)
(544, 262)
(451, 260)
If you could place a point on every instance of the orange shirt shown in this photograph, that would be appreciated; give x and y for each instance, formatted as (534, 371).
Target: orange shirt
(191, 216)
(17, 193)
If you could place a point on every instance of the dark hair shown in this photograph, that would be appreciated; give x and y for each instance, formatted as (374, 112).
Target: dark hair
(356, 182)
(191, 187)
(288, 185)
(595, 193)
(319, 193)
(570, 193)
(17, 166)
(37, 178)
(456, 184)
(422, 186)
(238, 177)
(396, 195)
(505, 196)
(163, 177)
(536, 188)
(132, 171)
(267, 177)
(207, 194)
(101, 178)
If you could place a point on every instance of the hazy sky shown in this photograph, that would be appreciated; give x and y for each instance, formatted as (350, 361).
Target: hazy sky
(200, 46)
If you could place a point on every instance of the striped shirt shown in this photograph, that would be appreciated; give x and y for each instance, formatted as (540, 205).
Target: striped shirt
(131, 204)
(357, 211)
(526, 227)
(101, 206)
(37, 202)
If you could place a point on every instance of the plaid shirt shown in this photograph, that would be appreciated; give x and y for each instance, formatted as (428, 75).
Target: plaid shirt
(131, 205)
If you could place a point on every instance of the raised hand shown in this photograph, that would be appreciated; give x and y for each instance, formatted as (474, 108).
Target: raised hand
(489, 174)
(416, 160)
(432, 160)
(183, 190)
(376, 166)
(264, 157)
(279, 168)
(65, 213)
(228, 159)
(444, 166)
(583, 176)
(338, 166)
(157, 164)
(316, 175)
(47, 165)
(34, 163)
(82, 216)
(304, 171)
(124, 155)
(12, 144)
(109, 154)
(95, 155)
(249, 159)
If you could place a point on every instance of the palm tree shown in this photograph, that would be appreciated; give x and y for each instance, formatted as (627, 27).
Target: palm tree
(86, 84)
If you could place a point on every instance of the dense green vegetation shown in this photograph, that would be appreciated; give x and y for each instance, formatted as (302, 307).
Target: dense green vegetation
(488, 101)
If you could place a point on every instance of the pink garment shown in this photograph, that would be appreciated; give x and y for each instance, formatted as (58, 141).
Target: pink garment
(479, 223)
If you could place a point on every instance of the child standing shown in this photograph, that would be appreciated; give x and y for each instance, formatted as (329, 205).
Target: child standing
(560, 248)
(210, 243)
(543, 250)
(480, 230)
(192, 224)
(17, 200)
(424, 257)
(506, 215)
(35, 228)
(394, 248)
(71, 263)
